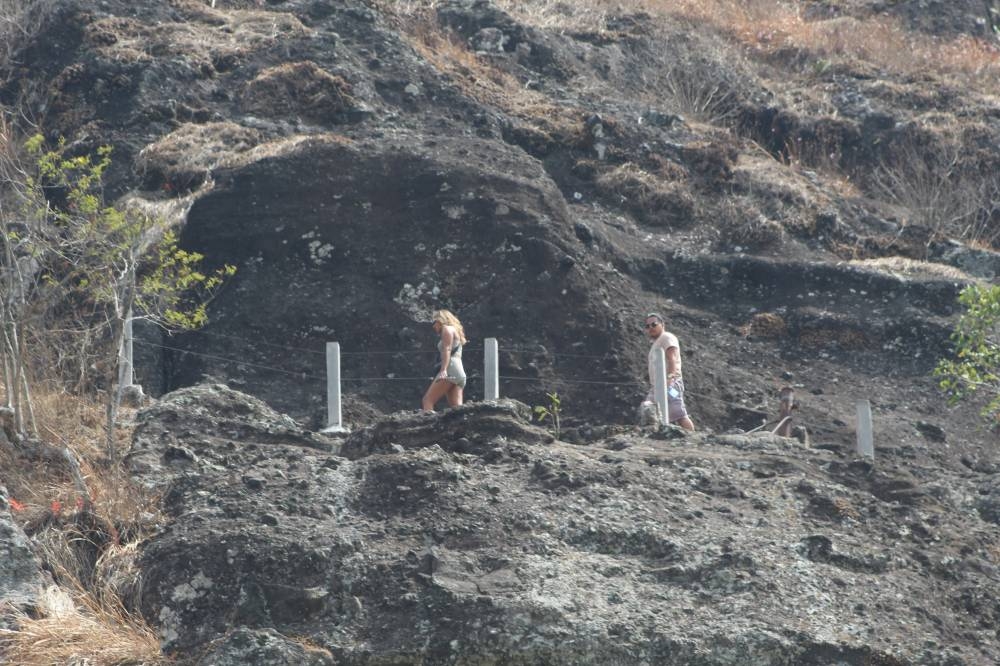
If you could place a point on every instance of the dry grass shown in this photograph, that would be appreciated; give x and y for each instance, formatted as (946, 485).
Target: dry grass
(91, 617)
(282, 147)
(771, 26)
(901, 266)
(939, 190)
(790, 191)
(473, 74)
(765, 325)
(207, 39)
(845, 509)
(989, 239)
(78, 629)
(77, 422)
(695, 93)
(118, 510)
(821, 154)
(742, 224)
(698, 74)
(301, 88)
(655, 201)
(181, 160)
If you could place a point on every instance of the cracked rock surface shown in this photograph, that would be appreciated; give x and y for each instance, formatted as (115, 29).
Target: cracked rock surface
(473, 536)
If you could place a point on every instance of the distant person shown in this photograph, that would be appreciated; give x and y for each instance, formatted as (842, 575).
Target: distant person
(663, 339)
(450, 379)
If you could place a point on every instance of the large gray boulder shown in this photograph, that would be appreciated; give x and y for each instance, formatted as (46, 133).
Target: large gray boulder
(21, 580)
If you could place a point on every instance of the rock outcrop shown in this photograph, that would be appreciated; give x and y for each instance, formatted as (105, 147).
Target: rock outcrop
(474, 537)
(21, 581)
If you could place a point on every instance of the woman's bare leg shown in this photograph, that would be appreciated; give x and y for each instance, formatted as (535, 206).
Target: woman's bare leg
(685, 422)
(454, 395)
(437, 390)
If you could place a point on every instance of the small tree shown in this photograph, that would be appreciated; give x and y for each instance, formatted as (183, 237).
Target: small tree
(975, 365)
(550, 411)
(92, 266)
(18, 279)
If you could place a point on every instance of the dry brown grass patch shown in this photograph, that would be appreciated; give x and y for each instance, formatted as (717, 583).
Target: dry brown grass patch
(582, 16)
(765, 325)
(209, 39)
(300, 88)
(710, 160)
(87, 543)
(654, 201)
(282, 147)
(78, 421)
(80, 631)
(771, 26)
(939, 187)
(182, 159)
(742, 224)
(473, 74)
(666, 168)
(901, 266)
(44, 485)
(696, 73)
(845, 509)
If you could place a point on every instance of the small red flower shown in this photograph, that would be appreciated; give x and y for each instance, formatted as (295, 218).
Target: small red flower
(15, 505)
(56, 506)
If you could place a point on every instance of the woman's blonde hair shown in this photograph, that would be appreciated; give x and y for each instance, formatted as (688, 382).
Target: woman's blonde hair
(446, 318)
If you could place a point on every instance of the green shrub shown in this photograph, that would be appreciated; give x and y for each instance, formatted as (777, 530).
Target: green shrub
(975, 365)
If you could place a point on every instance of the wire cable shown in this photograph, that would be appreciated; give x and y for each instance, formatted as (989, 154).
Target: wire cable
(390, 352)
(508, 378)
(559, 380)
(271, 368)
(263, 343)
(248, 364)
(525, 350)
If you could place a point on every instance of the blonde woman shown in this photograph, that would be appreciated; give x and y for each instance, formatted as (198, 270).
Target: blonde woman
(450, 379)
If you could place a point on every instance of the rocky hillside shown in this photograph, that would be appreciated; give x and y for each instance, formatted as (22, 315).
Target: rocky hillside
(550, 174)
(801, 188)
(474, 537)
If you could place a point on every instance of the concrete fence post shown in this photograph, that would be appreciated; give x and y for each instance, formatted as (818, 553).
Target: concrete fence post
(492, 370)
(660, 384)
(786, 399)
(866, 437)
(334, 418)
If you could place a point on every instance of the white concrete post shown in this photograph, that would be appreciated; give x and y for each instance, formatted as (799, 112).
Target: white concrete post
(660, 384)
(866, 438)
(126, 373)
(334, 418)
(492, 374)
